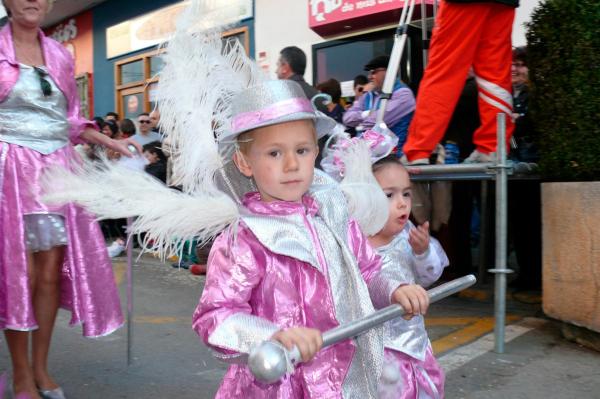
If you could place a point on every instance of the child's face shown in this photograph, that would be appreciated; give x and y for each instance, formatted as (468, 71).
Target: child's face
(281, 160)
(151, 157)
(395, 183)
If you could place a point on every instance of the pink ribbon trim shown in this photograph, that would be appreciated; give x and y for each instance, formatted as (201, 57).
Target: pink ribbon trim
(249, 120)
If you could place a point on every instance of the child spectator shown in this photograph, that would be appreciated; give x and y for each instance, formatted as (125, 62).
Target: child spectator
(157, 161)
(408, 354)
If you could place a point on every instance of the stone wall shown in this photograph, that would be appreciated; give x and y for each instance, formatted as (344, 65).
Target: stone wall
(571, 252)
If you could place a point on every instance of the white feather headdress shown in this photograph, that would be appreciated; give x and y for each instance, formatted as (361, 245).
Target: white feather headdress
(199, 78)
(350, 160)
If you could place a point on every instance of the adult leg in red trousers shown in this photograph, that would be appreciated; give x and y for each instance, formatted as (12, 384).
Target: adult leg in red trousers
(492, 66)
(456, 41)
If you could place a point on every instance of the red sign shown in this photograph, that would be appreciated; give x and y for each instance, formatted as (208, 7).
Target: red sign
(327, 17)
(76, 35)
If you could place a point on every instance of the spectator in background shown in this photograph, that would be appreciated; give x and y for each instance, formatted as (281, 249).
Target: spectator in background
(99, 122)
(155, 120)
(292, 65)
(334, 108)
(157, 161)
(361, 85)
(524, 196)
(400, 107)
(110, 129)
(145, 135)
(111, 116)
(523, 148)
(127, 128)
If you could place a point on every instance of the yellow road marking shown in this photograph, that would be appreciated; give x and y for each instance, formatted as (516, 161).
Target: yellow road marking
(471, 332)
(478, 295)
(449, 321)
(119, 268)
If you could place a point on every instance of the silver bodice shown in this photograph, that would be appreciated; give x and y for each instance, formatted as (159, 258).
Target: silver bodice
(407, 336)
(32, 120)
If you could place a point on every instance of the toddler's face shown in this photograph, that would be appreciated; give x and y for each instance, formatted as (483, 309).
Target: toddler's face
(281, 159)
(395, 183)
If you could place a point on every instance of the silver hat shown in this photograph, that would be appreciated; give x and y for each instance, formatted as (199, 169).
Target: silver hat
(272, 102)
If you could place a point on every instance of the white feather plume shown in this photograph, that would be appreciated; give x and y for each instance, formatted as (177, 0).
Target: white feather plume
(199, 78)
(367, 203)
(169, 217)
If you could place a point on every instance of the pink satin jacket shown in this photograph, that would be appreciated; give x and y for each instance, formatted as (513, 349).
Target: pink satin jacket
(264, 275)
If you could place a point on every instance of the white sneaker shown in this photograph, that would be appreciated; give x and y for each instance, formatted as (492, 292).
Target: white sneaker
(116, 248)
(420, 161)
(479, 157)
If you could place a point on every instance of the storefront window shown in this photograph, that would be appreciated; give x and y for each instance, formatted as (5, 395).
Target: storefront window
(344, 59)
(137, 77)
(156, 65)
(132, 72)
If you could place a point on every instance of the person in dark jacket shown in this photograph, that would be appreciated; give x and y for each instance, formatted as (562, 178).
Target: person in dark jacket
(292, 65)
(335, 110)
(524, 148)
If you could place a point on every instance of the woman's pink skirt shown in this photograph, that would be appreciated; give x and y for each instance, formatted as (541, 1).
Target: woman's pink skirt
(405, 377)
(87, 283)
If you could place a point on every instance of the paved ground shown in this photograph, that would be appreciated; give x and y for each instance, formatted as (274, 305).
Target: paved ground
(169, 361)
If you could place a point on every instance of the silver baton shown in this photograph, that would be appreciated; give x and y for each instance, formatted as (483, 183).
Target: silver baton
(268, 361)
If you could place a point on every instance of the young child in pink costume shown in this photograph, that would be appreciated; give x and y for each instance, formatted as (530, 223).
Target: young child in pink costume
(410, 371)
(295, 264)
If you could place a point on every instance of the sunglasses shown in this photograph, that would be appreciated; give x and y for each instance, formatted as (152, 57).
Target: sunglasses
(374, 71)
(144, 121)
(44, 84)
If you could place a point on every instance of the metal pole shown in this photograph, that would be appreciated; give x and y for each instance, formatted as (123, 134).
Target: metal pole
(484, 218)
(424, 32)
(500, 269)
(455, 168)
(129, 292)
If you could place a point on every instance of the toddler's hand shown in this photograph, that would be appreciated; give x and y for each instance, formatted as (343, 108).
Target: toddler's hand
(418, 238)
(413, 298)
(308, 340)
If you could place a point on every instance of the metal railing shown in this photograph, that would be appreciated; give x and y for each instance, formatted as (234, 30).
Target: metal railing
(498, 171)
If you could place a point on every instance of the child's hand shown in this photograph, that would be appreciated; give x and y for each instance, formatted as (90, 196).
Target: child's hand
(308, 340)
(418, 238)
(413, 298)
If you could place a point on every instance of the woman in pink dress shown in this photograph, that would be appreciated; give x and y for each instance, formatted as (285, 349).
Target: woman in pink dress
(50, 256)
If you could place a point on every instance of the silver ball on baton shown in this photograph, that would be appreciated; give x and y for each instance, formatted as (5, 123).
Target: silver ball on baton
(268, 361)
